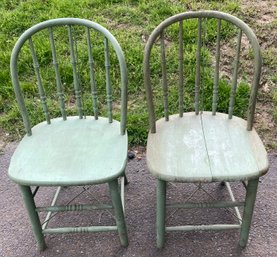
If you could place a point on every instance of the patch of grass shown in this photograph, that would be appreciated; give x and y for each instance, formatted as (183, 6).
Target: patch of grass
(131, 22)
(269, 57)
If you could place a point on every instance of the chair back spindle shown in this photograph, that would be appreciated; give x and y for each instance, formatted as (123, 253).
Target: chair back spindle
(235, 77)
(181, 69)
(195, 27)
(198, 67)
(108, 80)
(75, 73)
(57, 72)
(39, 81)
(92, 75)
(70, 150)
(203, 62)
(62, 35)
(164, 77)
(216, 75)
(206, 138)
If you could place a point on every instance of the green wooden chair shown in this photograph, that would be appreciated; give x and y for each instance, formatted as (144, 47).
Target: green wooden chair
(203, 142)
(75, 146)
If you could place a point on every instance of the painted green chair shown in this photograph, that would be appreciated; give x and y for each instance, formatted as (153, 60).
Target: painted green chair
(75, 146)
(203, 142)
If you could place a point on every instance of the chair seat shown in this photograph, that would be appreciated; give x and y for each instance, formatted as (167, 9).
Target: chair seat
(72, 152)
(205, 148)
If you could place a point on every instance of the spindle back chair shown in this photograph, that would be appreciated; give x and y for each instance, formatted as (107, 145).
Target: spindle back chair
(74, 146)
(201, 140)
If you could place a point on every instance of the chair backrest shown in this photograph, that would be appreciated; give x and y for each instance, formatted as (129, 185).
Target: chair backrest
(186, 37)
(84, 59)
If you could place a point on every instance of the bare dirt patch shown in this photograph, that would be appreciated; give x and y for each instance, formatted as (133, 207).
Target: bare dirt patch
(261, 16)
(264, 22)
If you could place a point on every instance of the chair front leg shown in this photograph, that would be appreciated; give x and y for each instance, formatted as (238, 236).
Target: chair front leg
(250, 198)
(33, 215)
(161, 210)
(119, 215)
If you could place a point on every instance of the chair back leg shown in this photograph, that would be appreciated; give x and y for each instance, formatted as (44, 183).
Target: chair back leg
(250, 198)
(33, 215)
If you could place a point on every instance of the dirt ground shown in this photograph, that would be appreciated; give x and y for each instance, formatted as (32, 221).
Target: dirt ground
(261, 16)
(16, 238)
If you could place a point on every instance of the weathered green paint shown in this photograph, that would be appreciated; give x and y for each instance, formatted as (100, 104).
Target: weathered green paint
(71, 150)
(198, 67)
(251, 193)
(161, 212)
(92, 76)
(181, 69)
(213, 227)
(39, 81)
(57, 72)
(235, 77)
(66, 22)
(119, 215)
(77, 87)
(216, 74)
(108, 80)
(34, 218)
(205, 205)
(49, 214)
(179, 151)
(123, 182)
(79, 229)
(75, 207)
(203, 14)
(233, 200)
(203, 64)
(67, 153)
(204, 146)
(164, 76)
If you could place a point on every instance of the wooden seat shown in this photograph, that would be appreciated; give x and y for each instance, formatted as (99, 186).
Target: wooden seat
(76, 64)
(53, 154)
(203, 136)
(205, 148)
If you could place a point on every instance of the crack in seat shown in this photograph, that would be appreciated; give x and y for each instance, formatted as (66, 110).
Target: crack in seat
(205, 148)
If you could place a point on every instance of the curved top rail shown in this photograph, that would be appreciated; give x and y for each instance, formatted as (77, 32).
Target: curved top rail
(59, 22)
(204, 14)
